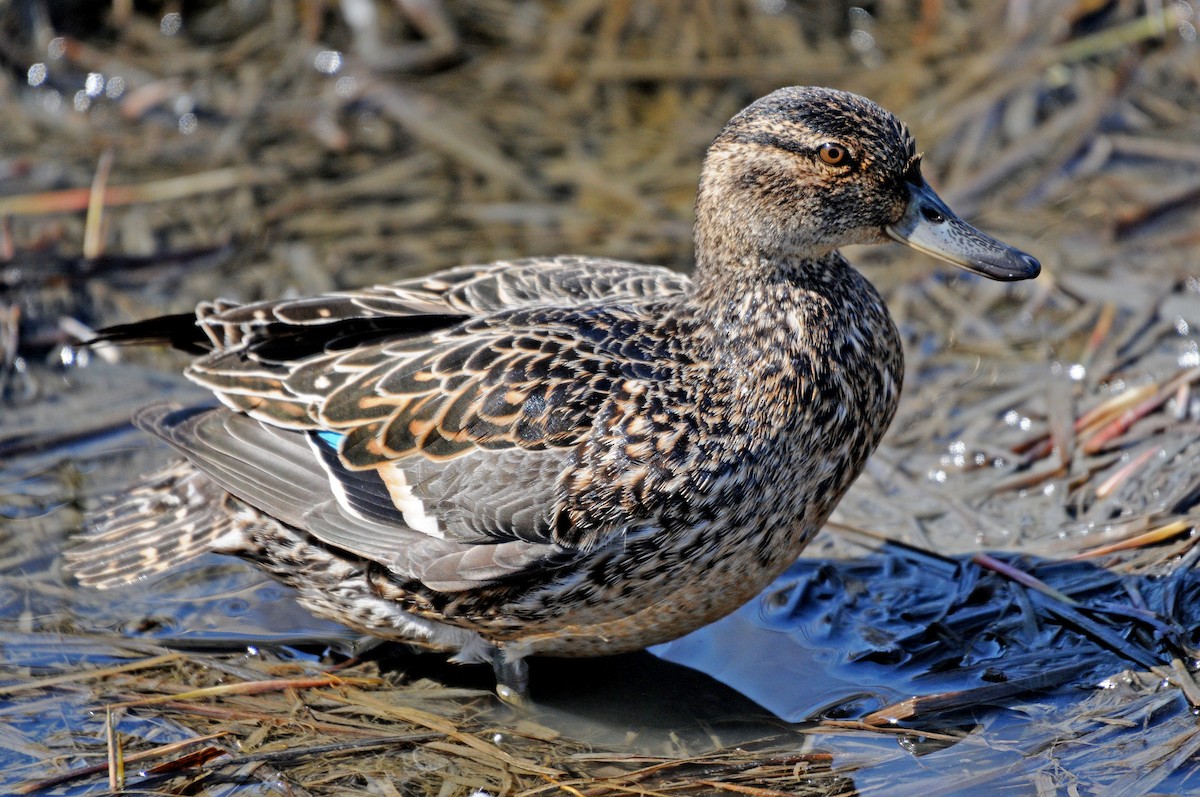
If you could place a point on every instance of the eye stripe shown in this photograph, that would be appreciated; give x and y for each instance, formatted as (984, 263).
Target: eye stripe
(768, 139)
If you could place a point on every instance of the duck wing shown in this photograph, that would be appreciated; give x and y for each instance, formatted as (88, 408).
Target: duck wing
(279, 474)
(466, 431)
(429, 425)
(425, 302)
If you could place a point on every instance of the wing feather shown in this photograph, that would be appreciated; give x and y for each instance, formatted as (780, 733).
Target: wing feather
(275, 471)
(456, 403)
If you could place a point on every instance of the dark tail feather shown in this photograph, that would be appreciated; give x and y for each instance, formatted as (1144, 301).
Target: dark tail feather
(179, 331)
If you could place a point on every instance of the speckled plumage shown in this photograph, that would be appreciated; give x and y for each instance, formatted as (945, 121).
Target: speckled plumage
(566, 456)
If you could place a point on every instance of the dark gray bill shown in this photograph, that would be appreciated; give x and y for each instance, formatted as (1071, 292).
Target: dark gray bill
(930, 227)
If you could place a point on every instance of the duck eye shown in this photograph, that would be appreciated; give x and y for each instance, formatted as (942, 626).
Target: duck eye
(833, 153)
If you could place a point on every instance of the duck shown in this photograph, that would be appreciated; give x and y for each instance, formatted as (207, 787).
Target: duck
(557, 456)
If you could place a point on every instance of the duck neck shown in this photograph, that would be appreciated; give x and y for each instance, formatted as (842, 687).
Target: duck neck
(751, 297)
(742, 238)
(802, 340)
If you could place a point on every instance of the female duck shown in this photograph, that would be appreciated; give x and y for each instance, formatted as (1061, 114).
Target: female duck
(566, 456)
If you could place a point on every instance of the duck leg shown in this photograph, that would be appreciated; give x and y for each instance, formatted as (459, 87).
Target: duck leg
(512, 677)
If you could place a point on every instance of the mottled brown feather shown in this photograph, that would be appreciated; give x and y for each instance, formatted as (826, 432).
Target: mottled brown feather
(567, 455)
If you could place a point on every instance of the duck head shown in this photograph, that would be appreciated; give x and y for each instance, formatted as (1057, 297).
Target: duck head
(805, 170)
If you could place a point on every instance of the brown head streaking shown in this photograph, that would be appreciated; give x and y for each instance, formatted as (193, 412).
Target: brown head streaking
(567, 456)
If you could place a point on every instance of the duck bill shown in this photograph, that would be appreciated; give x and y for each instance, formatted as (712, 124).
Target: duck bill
(930, 227)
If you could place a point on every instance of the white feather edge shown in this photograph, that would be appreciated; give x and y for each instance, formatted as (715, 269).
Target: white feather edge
(411, 508)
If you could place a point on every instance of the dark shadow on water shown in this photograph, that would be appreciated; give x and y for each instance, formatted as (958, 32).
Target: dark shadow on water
(631, 701)
(845, 638)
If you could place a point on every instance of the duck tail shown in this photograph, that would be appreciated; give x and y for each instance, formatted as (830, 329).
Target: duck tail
(168, 519)
(194, 332)
(179, 331)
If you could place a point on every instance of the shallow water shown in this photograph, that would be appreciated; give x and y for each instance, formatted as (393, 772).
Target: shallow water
(834, 640)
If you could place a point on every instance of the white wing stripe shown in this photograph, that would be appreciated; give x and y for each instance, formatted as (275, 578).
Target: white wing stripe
(411, 507)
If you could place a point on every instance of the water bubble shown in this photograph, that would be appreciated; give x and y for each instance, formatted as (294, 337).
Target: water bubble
(1190, 357)
(36, 75)
(171, 23)
(82, 100)
(57, 48)
(188, 124)
(1012, 418)
(861, 41)
(115, 87)
(94, 84)
(73, 357)
(346, 86)
(52, 101)
(938, 476)
(1181, 325)
(1077, 372)
(358, 14)
(328, 61)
